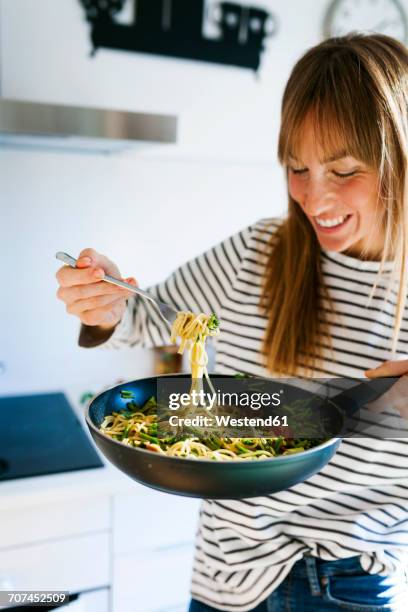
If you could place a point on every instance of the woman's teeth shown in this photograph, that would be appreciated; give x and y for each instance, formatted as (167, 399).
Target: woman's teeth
(331, 222)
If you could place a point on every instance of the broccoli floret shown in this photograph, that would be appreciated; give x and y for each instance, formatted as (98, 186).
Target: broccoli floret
(213, 322)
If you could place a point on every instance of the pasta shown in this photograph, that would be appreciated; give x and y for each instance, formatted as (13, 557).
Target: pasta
(193, 331)
(137, 425)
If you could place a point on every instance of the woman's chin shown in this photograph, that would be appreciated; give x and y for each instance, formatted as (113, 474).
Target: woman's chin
(330, 244)
(338, 238)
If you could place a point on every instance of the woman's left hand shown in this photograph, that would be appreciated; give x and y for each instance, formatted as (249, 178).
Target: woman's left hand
(397, 396)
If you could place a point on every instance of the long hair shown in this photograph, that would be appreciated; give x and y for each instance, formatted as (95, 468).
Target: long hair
(355, 90)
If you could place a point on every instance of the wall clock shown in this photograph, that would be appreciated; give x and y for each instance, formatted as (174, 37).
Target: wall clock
(381, 16)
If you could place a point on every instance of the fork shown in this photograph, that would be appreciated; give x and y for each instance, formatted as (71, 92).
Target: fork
(167, 312)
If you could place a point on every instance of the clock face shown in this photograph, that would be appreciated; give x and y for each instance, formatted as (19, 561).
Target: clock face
(381, 16)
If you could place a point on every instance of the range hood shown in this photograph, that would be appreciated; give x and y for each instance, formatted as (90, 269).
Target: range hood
(38, 125)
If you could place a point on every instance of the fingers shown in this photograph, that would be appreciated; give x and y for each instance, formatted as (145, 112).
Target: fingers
(85, 296)
(69, 295)
(90, 257)
(389, 368)
(67, 276)
(91, 266)
(93, 303)
(90, 254)
(396, 398)
(109, 314)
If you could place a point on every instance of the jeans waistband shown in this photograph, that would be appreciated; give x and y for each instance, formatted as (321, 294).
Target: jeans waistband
(317, 570)
(325, 568)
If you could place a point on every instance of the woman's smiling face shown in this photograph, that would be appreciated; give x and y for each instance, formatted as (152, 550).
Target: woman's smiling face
(339, 196)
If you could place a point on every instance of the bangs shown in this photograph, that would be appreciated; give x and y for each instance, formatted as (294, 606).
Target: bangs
(329, 136)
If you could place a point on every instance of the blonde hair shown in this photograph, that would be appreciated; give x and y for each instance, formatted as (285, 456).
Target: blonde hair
(355, 91)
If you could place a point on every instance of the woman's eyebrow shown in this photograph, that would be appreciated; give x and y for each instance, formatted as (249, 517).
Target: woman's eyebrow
(336, 156)
(293, 157)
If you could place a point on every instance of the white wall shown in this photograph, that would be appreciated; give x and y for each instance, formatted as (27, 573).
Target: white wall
(145, 214)
(149, 210)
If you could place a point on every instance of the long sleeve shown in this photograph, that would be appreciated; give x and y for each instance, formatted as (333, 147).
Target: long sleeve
(200, 285)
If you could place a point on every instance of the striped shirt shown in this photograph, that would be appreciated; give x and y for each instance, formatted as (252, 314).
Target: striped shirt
(358, 504)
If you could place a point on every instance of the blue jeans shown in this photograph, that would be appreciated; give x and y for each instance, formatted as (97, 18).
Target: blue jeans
(315, 585)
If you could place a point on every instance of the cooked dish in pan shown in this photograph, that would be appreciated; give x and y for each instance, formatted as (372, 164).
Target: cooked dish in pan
(137, 425)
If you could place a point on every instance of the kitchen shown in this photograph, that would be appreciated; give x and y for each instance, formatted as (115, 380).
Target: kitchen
(77, 524)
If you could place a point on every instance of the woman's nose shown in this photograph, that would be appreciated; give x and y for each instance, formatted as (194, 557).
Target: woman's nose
(318, 198)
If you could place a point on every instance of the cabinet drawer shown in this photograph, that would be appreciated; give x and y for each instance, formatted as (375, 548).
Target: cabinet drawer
(73, 564)
(153, 582)
(153, 520)
(63, 519)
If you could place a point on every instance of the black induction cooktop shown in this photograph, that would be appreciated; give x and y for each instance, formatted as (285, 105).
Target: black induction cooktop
(40, 434)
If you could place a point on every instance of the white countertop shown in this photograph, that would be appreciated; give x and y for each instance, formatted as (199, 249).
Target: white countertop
(56, 487)
(94, 482)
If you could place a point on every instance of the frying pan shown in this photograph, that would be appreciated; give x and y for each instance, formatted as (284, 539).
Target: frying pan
(212, 479)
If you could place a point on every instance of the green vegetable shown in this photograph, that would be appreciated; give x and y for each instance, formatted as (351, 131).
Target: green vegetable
(147, 437)
(151, 403)
(213, 322)
(241, 448)
(278, 443)
(124, 394)
(212, 442)
(126, 431)
(133, 406)
(153, 429)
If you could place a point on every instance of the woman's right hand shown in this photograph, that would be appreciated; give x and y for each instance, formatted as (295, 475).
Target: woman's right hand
(93, 301)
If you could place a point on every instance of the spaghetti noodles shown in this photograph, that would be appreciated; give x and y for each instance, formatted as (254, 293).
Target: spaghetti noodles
(193, 331)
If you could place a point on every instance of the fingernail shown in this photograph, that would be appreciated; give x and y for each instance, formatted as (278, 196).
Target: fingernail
(99, 273)
(86, 261)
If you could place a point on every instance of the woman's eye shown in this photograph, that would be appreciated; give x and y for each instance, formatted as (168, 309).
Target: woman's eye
(344, 175)
(298, 170)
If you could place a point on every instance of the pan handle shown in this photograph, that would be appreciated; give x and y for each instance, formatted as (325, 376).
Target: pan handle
(365, 392)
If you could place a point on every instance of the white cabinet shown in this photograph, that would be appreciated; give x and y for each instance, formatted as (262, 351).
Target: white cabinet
(38, 523)
(153, 581)
(123, 552)
(153, 539)
(73, 564)
(59, 546)
(153, 520)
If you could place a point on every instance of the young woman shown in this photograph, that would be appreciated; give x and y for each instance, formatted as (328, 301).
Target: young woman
(322, 293)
